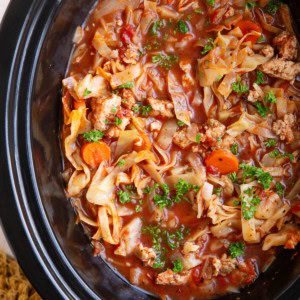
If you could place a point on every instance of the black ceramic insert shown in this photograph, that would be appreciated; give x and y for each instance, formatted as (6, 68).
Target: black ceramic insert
(36, 42)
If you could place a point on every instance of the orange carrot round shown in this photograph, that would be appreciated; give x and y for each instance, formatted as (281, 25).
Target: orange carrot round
(223, 161)
(248, 26)
(94, 153)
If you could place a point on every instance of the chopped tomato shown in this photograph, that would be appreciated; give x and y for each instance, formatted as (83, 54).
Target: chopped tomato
(295, 208)
(248, 26)
(127, 34)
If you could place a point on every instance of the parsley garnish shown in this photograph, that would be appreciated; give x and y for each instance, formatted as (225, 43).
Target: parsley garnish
(261, 39)
(182, 187)
(249, 204)
(138, 208)
(118, 121)
(149, 189)
(178, 267)
(136, 108)
(274, 153)
(121, 162)
(163, 199)
(270, 97)
(210, 3)
(93, 135)
(180, 123)
(198, 138)
(86, 92)
(235, 149)
(127, 85)
(236, 249)
(155, 27)
(273, 6)
(279, 189)
(218, 191)
(239, 88)
(260, 78)
(114, 110)
(288, 155)
(124, 197)
(264, 178)
(165, 61)
(270, 143)
(209, 46)
(182, 27)
(250, 4)
(261, 109)
(146, 109)
(232, 176)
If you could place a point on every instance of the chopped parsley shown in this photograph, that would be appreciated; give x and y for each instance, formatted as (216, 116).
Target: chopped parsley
(163, 199)
(182, 27)
(198, 138)
(124, 197)
(127, 85)
(249, 204)
(270, 143)
(239, 88)
(270, 97)
(236, 249)
(274, 153)
(146, 109)
(273, 6)
(136, 108)
(261, 39)
(260, 78)
(235, 149)
(279, 189)
(261, 109)
(264, 178)
(210, 3)
(209, 46)
(118, 121)
(165, 61)
(138, 208)
(182, 187)
(155, 27)
(149, 189)
(180, 123)
(251, 4)
(114, 110)
(93, 135)
(218, 191)
(232, 176)
(86, 92)
(177, 266)
(121, 162)
(236, 203)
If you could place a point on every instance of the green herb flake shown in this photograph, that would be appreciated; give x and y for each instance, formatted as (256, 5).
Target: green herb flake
(239, 88)
(118, 121)
(235, 149)
(261, 39)
(86, 92)
(163, 199)
(290, 156)
(182, 187)
(209, 46)
(93, 136)
(270, 97)
(274, 153)
(136, 108)
(124, 197)
(260, 78)
(114, 110)
(198, 138)
(251, 4)
(127, 85)
(177, 266)
(236, 249)
(218, 191)
(121, 162)
(264, 178)
(199, 11)
(165, 61)
(261, 109)
(280, 189)
(182, 27)
(236, 203)
(180, 123)
(273, 6)
(138, 208)
(146, 109)
(155, 27)
(270, 143)
(232, 176)
(210, 3)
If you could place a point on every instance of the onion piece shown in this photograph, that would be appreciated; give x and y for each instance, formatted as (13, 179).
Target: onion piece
(165, 137)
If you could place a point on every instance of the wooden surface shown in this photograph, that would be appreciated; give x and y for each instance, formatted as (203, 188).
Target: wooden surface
(3, 244)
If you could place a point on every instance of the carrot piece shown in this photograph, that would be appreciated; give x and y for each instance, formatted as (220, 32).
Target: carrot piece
(78, 104)
(223, 161)
(94, 153)
(248, 26)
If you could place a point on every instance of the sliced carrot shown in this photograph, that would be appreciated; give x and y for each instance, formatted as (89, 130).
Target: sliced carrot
(94, 153)
(248, 26)
(78, 104)
(223, 161)
(146, 145)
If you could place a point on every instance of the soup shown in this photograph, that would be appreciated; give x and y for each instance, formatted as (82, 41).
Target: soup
(181, 140)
